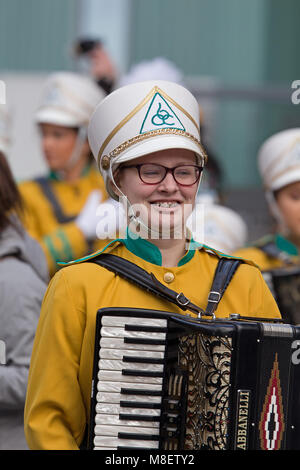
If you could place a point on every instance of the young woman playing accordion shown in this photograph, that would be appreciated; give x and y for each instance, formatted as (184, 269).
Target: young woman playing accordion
(146, 140)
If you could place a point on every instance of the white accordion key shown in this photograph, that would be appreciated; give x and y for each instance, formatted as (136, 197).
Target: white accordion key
(106, 353)
(119, 343)
(116, 421)
(121, 321)
(117, 376)
(103, 397)
(114, 442)
(115, 387)
(106, 430)
(116, 332)
(106, 364)
(115, 409)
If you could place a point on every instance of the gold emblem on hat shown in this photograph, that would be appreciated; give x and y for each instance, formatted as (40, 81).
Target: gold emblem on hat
(105, 162)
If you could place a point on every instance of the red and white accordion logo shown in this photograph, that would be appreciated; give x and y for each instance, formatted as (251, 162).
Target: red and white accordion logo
(271, 425)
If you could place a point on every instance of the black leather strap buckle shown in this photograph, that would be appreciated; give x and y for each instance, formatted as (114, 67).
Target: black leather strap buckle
(214, 296)
(182, 300)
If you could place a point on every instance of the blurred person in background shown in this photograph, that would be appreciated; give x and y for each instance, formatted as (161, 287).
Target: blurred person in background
(23, 281)
(94, 60)
(279, 165)
(60, 208)
(210, 190)
(217, 226)
(158, 68)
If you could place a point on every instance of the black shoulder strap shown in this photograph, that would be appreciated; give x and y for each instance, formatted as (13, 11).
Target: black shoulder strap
(223, 274)
(49, 194)
(130, 271)
(143, 279)
(273, 251)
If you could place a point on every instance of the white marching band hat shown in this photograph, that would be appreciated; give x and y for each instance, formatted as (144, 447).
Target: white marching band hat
(279, 159)
(5, 129)
(68, 99)
(143, 118)
(279, 165)
(218, 226)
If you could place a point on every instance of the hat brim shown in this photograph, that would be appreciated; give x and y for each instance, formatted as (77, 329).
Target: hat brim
(288, 178)
(156, 144)
(53, 116)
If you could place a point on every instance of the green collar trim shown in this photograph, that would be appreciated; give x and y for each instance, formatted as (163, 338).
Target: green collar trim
(55, 176)
(149, 252)
(286, 245)
(91, 256)
(139, 247)
(142, 248)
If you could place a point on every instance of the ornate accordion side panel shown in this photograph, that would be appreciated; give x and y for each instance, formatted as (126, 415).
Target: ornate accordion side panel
(169, 382)
(207, 360)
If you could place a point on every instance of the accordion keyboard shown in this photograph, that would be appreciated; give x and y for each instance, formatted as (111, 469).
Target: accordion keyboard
(130, 380)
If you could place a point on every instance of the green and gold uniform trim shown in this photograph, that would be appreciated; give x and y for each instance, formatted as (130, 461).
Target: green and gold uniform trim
(282, 243)
(59, 239)
(149, 252)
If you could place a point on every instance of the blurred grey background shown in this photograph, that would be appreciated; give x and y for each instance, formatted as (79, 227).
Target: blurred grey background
(239, 57)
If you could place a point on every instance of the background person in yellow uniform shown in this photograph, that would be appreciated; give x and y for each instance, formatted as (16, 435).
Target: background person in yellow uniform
(146, 139)
(279, 165)
(60, 207)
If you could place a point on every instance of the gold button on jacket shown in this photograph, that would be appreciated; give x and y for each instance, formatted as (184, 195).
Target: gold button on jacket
(169, 277)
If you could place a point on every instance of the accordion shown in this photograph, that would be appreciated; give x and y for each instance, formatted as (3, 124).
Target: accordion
(167, 381)
(284, 283)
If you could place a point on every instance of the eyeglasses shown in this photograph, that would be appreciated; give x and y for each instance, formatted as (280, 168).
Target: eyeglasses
(151, 173)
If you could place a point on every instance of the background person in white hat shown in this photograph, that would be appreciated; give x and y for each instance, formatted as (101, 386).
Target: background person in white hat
(217, 226)
(23, 281)
(60, 208)
(146, 140)
(279, 165)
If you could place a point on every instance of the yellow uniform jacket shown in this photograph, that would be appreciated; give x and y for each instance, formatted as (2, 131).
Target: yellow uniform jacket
(59, 387)
(282, 251)
(61, 240)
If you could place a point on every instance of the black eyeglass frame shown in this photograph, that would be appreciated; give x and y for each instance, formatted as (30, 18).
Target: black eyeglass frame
(167, 170)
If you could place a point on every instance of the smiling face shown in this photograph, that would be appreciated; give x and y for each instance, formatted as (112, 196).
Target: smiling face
(288, 201)
(164, 206)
